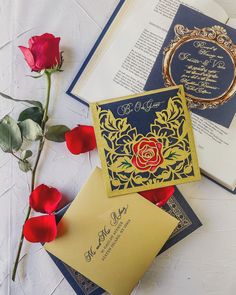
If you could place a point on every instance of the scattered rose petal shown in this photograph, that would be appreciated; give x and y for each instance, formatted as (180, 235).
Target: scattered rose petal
(45, 199)
(40, 229)
(28, 56)
(81, 139)
(159, 196)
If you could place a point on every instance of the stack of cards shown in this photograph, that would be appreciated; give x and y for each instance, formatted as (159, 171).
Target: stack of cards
(145, 141)
(111, 240)
(111, 234)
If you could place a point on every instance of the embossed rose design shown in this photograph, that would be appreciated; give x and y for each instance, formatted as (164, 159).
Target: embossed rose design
(147, 154)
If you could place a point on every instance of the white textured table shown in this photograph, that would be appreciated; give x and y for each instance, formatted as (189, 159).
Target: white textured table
(202, 264)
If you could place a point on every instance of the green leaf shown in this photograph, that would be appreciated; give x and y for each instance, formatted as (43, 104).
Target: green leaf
(24, 166)
(125, 164)
(33, 113)
(10, 135)
(56, 133)
(32, 102)
(26, 154)
(31, 130)
(122, 164)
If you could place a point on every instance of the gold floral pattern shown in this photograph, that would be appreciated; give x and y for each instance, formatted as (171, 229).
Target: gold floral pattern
(132, 161)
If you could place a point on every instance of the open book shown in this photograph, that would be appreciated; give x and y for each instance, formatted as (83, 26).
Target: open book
(122, 59)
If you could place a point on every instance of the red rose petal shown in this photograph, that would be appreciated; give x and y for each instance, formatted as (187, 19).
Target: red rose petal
(153, 168)
(32, 40)
(47, 36)
(159, 196)
(28, 56)
(44, 37)
(41, 52)
(47, 53)
(135, 148)
(40, 229)
(45, 199)
(144, 142)
(54, 45)
(141, 163)
(81, 139)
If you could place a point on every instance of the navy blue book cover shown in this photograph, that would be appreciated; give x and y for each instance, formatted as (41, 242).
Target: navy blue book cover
(199, 53)
(177, 206)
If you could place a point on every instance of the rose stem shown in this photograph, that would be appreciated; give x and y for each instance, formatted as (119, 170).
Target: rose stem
(40, 149)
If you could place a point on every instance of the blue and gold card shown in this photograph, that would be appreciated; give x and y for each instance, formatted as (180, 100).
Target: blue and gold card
(199, 52)
(177, 206)
(145, 141)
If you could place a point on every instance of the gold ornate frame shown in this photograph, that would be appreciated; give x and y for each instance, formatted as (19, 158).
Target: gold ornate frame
(218, 36)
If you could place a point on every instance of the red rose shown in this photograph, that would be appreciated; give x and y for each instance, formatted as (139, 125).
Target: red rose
(43, 52)
(81, 139)
(147, 154)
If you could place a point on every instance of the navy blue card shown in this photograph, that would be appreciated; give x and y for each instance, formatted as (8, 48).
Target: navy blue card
(177, 206)
(199, 53)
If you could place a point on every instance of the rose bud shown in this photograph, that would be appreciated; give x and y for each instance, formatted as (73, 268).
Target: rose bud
(43, 52)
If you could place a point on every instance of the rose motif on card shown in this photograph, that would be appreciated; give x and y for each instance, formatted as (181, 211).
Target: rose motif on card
(147, 154)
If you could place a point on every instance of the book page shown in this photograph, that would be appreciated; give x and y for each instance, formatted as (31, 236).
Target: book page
(125, 57)
(208, 7)
(129, 49)
(232, 22)
(216, 147)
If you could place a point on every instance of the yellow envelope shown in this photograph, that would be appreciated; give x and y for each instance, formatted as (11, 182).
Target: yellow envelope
(111, 241)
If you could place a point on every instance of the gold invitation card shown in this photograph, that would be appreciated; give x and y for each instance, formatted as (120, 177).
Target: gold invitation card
(111, 241)
(145, 141)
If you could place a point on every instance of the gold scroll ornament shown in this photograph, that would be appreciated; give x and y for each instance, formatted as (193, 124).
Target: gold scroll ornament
(216, 35)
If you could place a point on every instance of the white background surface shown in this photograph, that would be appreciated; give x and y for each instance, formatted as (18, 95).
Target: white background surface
(202, 264)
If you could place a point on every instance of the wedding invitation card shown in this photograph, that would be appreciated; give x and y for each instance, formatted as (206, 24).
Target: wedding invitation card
(145, 141)
(111, 241)
(199, 52)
